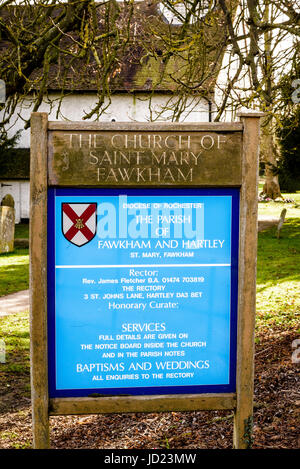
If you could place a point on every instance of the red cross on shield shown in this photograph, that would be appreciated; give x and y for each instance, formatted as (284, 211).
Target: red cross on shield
(79, 222)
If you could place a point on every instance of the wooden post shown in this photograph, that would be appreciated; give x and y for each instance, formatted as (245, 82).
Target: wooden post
(38, 280)
(243, 416)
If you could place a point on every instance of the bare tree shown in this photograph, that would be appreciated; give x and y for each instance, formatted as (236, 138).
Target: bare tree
(249, 43)
(259, 44)
(60, 43)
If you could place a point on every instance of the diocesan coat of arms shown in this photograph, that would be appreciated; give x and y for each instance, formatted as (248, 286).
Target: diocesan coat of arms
(79, 222)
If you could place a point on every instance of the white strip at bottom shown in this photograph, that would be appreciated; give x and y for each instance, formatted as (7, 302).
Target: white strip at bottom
(137, 266)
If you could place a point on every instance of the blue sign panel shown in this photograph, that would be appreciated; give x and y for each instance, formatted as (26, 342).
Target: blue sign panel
(142, 291)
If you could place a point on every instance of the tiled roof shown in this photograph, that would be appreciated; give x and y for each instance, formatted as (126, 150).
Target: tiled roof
(137, 70)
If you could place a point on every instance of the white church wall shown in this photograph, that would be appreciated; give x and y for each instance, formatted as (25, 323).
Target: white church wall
(123, 108)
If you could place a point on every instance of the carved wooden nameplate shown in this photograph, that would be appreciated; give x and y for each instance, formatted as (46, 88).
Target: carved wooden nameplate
(135, 157)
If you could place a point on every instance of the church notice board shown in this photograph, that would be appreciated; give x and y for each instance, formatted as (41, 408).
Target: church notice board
(143, 257)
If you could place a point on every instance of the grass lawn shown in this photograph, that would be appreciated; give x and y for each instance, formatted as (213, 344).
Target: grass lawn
(14, 271)
(15, 380)
(14, 266)
(278, 274)
(278, 277)
(15, 330)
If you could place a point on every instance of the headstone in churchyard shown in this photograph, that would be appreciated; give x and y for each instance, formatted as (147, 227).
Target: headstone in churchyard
(7, 224)
(281, 222)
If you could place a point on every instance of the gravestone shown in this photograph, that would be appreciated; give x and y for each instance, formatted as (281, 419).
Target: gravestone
(7, 224)
(281, 222)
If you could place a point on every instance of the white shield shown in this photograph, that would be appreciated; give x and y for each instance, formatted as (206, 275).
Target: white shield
(79, 222)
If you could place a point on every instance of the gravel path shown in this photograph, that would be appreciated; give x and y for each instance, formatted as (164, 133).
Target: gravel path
(14, 303)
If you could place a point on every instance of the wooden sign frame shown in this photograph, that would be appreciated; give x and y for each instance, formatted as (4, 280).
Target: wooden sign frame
(241, 402)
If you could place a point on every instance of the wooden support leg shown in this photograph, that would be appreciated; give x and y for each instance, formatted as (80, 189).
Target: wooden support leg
(243, 417)
(38, 281)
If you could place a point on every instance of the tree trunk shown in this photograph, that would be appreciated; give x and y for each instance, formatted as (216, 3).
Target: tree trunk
(271, 187)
